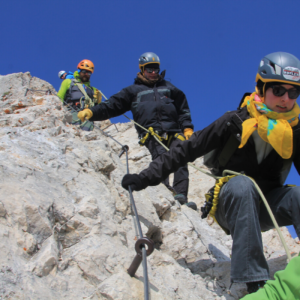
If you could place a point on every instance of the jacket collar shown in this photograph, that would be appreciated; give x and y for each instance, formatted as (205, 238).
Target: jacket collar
(140, 79)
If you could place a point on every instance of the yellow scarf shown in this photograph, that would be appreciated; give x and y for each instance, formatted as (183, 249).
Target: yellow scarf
(274, 128)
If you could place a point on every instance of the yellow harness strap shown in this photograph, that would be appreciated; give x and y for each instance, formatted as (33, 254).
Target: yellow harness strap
(179, 136)
(167, 138)
(150, 132)
(212, 199)
(220, 182)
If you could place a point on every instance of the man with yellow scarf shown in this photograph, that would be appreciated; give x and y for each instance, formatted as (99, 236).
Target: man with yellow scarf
(267, 135)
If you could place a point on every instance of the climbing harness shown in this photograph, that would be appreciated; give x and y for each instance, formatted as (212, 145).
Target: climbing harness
(85, 101)
(212, 198)
(150, 132)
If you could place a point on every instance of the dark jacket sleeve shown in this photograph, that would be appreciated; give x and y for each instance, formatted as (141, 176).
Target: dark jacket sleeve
(115, 106)
(183, 110)
(296, 159)
(213, 136)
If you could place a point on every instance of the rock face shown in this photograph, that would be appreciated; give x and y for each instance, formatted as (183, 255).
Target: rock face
(66, 224)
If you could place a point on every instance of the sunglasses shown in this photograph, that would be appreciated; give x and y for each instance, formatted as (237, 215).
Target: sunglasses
(279, 90)
(86, 72)
(150, 70)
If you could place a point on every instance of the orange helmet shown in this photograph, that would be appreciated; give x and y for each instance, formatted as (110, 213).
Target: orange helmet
(86, 65)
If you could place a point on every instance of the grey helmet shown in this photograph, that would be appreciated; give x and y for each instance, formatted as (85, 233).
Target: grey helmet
(148, 58)
(279, 67)
(61, 73)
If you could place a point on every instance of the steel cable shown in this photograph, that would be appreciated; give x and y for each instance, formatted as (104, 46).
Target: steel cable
(136, 219)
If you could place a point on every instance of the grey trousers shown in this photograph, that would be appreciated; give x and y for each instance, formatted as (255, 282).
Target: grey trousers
(241, 211)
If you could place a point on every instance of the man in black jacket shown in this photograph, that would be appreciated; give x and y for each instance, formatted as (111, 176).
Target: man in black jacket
(155, 103)
(267, 130)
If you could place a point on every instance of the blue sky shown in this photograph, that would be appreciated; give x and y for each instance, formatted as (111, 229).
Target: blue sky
(210, 49)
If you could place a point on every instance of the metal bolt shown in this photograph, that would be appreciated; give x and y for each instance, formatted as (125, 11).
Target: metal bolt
(228, 124)
(238, 135)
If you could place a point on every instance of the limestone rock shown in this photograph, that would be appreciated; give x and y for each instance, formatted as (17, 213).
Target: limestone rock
(66, 224)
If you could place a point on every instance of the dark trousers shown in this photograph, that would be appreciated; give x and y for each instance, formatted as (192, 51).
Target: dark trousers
(181, 176)
(241, 211)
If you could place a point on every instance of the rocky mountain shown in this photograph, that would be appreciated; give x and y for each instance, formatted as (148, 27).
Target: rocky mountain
(66, 225)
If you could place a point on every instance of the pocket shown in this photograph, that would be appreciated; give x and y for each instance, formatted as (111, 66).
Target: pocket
(166, 100)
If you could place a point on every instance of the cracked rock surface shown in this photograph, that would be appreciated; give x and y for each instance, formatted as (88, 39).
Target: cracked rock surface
(66, 225)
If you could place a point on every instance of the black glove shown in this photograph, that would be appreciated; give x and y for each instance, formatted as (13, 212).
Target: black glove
(134, 181)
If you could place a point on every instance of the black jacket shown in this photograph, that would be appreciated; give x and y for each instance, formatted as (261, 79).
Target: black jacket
(162, 106)
(271, 173)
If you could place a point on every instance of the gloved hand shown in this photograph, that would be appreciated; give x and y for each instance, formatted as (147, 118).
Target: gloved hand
(85, 114)
(97, 96)
(134, 181)
(188, 132)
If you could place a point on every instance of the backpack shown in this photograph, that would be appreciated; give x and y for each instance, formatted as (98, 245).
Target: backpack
(219, 157)
(70, 75)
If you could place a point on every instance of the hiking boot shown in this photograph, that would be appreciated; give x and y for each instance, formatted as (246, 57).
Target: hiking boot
(253, 287)
(181, 198)
(191, 205)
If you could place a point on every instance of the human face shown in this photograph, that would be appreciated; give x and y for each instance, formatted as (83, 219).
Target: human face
(279, 104)
(63, 76)
(85, 75)
(151, 75)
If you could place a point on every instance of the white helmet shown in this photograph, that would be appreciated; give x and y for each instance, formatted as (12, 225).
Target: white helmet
(61, 73)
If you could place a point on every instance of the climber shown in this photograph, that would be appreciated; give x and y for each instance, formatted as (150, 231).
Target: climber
(286, 284)
(268, 134)
(64, 75)
(79, 94)
(154, 103)
(73, 90)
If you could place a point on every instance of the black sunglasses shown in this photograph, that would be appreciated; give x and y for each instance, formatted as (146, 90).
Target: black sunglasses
(150, 70)
(86, 72)
(279, 90)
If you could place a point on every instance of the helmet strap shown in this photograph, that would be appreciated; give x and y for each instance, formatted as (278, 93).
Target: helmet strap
(264, 90)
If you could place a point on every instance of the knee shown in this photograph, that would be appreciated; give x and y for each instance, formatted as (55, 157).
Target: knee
(239, 187)
(295, 194)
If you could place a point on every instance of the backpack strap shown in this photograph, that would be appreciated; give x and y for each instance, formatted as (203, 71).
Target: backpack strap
(228, 150)
(87, 100)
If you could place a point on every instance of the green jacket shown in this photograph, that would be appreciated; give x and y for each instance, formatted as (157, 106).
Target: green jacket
(286, 285)
(65, 85)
